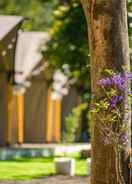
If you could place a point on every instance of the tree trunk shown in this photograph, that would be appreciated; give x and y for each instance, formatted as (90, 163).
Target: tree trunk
(108, 39)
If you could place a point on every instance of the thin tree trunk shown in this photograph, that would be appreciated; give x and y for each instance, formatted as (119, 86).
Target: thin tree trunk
(108, 39)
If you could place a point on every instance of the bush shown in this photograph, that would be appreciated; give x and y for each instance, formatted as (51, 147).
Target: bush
(72, 123)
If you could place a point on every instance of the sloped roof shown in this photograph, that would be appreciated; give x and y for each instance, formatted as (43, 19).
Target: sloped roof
(7, 23)
(28, 55)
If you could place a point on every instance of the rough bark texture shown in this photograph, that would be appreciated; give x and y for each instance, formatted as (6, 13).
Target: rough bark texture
(108, 38)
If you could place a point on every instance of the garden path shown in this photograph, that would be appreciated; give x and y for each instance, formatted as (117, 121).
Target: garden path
(51, 180)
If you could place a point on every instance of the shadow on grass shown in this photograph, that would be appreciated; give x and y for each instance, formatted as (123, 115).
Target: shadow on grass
(39, 159)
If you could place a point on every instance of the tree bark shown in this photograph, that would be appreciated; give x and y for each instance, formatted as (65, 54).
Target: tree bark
(108, 39)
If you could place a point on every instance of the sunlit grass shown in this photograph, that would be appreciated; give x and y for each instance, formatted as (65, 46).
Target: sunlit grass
(29, 168)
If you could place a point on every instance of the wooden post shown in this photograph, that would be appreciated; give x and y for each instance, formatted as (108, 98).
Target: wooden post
(10, 115)
(3, 110)
(11, 131)
(57, 120)
(53, 124)
(20, 118)
(49, 121)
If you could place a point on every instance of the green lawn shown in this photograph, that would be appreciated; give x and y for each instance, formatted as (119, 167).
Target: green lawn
(28, 168)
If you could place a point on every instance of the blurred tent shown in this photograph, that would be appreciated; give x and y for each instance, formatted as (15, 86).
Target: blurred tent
(38, 117)
(27, 53)
(9, 26)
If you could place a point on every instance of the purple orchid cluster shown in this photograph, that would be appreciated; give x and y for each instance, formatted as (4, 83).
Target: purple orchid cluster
(114, 100)
(120, 82)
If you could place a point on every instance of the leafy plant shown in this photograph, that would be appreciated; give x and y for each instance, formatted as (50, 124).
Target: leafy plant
(72, 123)
(111, 106)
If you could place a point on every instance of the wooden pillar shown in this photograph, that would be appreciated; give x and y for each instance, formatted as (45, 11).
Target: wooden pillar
(53, 124)
(7, 113)
(11, 132)
(49, 121)
(20, 118)
(10, 115)
(3, 110)
(57, 121)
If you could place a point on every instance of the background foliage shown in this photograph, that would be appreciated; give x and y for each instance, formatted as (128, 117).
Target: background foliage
(68, 44)
(38, 12)
(72, 123)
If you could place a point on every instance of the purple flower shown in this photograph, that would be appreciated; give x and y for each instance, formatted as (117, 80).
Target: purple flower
(114, 100)
(119, 80)
(105, 81)
(128, 76)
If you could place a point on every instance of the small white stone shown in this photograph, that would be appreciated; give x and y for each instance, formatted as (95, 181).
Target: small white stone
(65, 166)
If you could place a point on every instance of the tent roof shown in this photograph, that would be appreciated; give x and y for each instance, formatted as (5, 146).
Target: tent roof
(28, 55)
(7, 23)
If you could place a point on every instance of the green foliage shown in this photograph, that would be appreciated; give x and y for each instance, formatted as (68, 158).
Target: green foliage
(68, 44)
(72, 123)
(38, 12)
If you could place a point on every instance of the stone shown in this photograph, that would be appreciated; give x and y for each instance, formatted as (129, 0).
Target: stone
(65, 166)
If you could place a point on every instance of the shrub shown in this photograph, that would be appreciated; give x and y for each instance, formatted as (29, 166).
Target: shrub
(72, 123)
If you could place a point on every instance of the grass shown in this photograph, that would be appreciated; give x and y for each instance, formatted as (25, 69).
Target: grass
(29, 168)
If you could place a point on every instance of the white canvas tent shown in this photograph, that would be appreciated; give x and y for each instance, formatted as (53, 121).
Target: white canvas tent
(28, 55)
(33, 103)
(7, 23)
